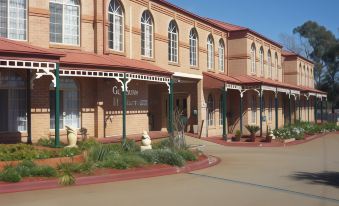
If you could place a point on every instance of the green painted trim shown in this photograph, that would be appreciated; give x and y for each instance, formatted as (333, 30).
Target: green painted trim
(308, 110)
(289, 110)
(170, 106)
(261, 95)
(57, 107)
(240, 115)
(224, 116)
(28, 106)
(124, 111)
(276, 104)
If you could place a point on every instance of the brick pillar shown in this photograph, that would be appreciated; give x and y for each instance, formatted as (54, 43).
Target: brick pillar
(99, 26)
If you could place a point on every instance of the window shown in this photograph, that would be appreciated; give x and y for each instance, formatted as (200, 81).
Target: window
(253, 69)
(147, 34)
(221, 56)
(12, 102)
(254, 109)
(300, 75)
(261, 56)
(304, 76)
(269, 64)
(270, 109)
(69, 104)
(64, 21)
(13, 19)
(210, 111)
(221, 109)
(173, 42)
(210, 52)
(276, 66)
(116, 28)
(193, 47)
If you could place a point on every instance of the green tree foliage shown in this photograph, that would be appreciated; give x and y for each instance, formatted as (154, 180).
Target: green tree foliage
(320, 40)
(325, 55)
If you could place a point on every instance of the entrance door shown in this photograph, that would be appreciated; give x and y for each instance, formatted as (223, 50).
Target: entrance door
(3, 110)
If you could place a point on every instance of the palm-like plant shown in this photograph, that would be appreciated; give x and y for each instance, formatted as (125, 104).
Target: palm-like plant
(253, 129)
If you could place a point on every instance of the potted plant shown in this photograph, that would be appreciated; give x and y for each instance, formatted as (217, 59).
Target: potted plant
(269, 135)
(252, 129)
(237, 136)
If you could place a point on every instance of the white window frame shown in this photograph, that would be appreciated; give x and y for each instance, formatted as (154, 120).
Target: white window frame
(63, 24)
(221, 56)
(269, 64)
(261, 56)
(210, 52)
(8, 28)
(210, 111)
(147, 37)
(254, 109)
(193, 48)
(116, 8)
(253, 60)
(173, 39)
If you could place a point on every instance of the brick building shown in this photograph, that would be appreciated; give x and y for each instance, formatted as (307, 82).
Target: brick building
(101, 64)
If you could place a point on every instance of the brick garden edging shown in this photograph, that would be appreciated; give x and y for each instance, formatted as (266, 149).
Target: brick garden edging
(111, 176)
(220, 141)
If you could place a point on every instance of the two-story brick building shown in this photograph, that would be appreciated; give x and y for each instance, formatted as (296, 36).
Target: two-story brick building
(122, 67)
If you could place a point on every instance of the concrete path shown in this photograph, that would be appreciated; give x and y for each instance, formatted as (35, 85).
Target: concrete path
(306, 174)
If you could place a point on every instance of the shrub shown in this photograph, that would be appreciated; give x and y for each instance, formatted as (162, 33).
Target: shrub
(131, 146)
(66, 179)
(23, 152)
(87, 167)
(71, 167)
(123, 161)
(87, 144)
(69, 152)
(163, 144)
(10, 175)
(253, 129)
(43, 171)
(101, 151)
(46, 142)
(163, 156)
(187, 155)
(24, 168)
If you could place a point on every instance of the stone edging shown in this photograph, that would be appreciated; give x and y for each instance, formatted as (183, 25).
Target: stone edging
(115, 175)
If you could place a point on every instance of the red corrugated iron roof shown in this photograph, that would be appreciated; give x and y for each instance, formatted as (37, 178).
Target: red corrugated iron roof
(83, 60)
(235, 28)
(222, 77)
(308, 89)
(292, 54)
(17, 48)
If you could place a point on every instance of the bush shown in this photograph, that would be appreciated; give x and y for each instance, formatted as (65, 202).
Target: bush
(131, 146)
(43, 171)
(23, 152)
(71, 167)
(10, 175)
(66, 179)
(188, 155)
(163, 144)
(46, 142)
(163, 156)
(87, 144)
(69, 152)
(123, 161)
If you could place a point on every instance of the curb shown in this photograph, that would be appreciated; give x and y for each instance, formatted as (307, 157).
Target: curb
(115, 175)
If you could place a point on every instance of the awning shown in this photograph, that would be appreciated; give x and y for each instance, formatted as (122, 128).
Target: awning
(218, 81)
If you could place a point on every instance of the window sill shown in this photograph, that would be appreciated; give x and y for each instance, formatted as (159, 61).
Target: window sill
(174, 64)
(151, 59)
(64, 46)
(120, 53)
(194, 67)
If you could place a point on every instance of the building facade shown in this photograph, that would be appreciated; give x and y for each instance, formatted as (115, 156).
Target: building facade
(125, 66)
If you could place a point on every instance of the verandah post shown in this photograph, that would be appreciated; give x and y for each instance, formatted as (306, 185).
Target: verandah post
(299, 107)
(289, 109)
(321, 110)
(124, 110)
(261, 94)
(315, 109)
(57, 107)
(170, 106)
(308, 109)
(28, 106)
(224, 111)
(240, 108)
(276, 110)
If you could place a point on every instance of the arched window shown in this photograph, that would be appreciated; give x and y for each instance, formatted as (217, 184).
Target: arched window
(147, 34)
(116, 26)
(254, 109)
(261, 56)
(221, 109)
(64, 21)
(276, 66)
(12, 102)
(221, 56)
(253, 66)
(269, 63)
(69, 104)
(173, 42)
(300, 75)
(193, 47)
(210, 110)
(210, 52)
(13, 19)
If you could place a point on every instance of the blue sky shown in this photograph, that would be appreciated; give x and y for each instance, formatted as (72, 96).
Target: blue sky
(268, 17)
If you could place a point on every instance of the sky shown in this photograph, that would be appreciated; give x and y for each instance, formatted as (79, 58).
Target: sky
(268, 17)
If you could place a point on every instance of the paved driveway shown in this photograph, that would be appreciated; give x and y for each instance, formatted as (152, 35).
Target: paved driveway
(306, 174)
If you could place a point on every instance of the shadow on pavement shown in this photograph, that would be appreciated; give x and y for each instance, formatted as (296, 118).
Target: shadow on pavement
(325, 178)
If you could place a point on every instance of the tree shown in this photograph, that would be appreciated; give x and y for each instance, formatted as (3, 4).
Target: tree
(320, 39)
